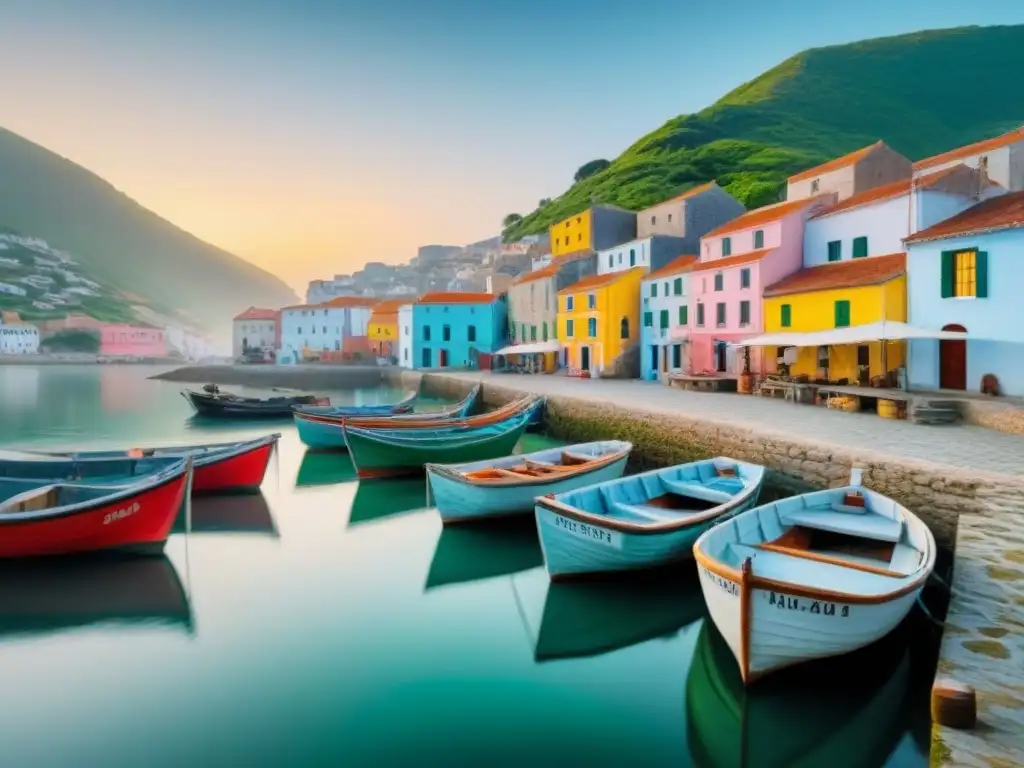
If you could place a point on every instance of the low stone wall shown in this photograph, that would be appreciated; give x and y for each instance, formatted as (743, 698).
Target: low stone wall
(306, 377)
(994, 414)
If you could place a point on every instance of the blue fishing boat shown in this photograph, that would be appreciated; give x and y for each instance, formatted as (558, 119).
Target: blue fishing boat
(643, 520)
(508, 485)
(326, 431)
(405, 405)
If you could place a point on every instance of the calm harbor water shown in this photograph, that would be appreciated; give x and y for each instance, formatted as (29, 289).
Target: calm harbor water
(327, 622)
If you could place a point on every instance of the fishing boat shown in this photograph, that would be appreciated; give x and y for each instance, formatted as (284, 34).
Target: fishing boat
(814, 575)
(43, 597)
(325, 431)
(643, 520)
(222, 405)
(405, 405)
(40, 517)
(848, 712)
(508, 485)
(474, 553)
(237, 466)
(379, 453)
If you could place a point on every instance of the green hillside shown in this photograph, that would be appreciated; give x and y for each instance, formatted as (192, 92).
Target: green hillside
(123, 244)
(922, 94)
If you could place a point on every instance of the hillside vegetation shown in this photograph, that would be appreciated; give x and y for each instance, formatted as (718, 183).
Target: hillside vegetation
(922, 94)
(123, 244)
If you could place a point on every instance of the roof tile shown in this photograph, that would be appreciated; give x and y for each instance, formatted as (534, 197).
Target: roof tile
(841, 274)
(1003, 212)
(986, 145)
(835, 165)
(691, 192)
(731, 261)
(257, 313)
(453, 297)
(764, 215)
(675, 267)
(598, 281)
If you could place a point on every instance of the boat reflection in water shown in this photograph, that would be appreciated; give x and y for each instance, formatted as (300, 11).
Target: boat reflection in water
(53, 595)
(376, 501)
(837, 713)
(324, 468)
(239, 513)
(596, 616)
(471, 553)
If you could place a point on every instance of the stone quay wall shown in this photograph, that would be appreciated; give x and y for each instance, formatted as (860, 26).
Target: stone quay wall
(305, 377)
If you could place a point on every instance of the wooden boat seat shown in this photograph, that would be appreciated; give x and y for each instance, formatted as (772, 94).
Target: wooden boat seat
(905, 559)
(569, 459)
(31, 500)
(867, 526)
(697, 491)
(799, 567)
(653, 513)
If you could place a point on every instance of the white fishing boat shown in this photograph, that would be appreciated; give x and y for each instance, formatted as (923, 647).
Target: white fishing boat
(815, 575)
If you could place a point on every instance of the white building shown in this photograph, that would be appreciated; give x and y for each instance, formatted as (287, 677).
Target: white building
(19, 339)
(664, 319)
(652, 252)
(1002, 158)
(256, 328)
(308, 330)
(404, 353)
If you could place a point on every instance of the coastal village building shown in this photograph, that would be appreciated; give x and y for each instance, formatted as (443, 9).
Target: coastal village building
(404, 350)
(19, 339)
(597, 228)
(649, 253)
(254, 329)
(737, 261)
(850, 174)
(598, 320)
(1002, 159)
(454, 330)
(689, 216)
(383, 328)
(132, 341)
(839, 295)
(665, 303)
(966, 276)
(316, 331)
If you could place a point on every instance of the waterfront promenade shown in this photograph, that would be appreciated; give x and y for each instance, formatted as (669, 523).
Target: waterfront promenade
(965, 481)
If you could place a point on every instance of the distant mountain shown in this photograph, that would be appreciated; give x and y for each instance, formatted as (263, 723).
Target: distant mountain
(123, 244)
(922, 94)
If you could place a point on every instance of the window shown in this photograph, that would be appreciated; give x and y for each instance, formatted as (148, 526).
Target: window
(632, 257)
(654, 290)
(677, 354)
(835, 250)
(682, 314)
(568, 303)
(624, 328)
(815, 186)
(544, 331)
(654, 219)
(533, 333)
(568, 329)
(726, 246)
(592, 327)
(664, 319)
(719, 282)
(965, 274)
(864, 355)
(759, 238)
(700, 315)
(670, 218)
(299, 331)
(579, 237)
(744, 313)
(325, 329)
(677, 287)
(720, 314)
(666, 288)
(592, 300)
(860, 247)
(648, 319)
(745, 277)
(842, 312)
(786, 316)
(611, 260)
(405, 355)
(426, 333)
(524, 332)
(620, 257)
(446, 333)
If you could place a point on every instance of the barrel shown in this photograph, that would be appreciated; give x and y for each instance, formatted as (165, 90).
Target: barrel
(889, 409)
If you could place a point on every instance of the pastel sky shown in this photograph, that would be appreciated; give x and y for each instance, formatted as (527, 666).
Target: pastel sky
(311, 137)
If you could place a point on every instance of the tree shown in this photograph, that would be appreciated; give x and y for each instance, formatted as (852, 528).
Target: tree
(544, 201)
(511, 220)
(589, 169)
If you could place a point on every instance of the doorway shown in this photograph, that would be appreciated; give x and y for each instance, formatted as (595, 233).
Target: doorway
(721, 362)
(442, 358)
(585, 358)
(953, 360)
(425, 357)
(664, 359)
(654, 361)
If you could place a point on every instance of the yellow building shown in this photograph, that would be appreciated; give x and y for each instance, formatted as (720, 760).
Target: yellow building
(598, 323)
(382, 330)
(838, 295)
(600, 226)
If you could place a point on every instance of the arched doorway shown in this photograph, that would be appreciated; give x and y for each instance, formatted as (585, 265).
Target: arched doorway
(953, 360)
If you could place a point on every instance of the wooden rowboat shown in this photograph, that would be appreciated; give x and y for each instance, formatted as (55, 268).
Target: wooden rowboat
(405, 405)
(237, 466)
(42, 518)
(811, 576)
(222, 405)
(643, 520)
(509, 485)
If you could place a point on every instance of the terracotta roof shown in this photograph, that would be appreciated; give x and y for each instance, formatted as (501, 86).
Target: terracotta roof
(692, 192)
(257, 313)
(352, 301)
(731, 261)
(841, 274)
(677, 266)
(835, 165)
(528, 277)
(1003, 212)
(454, 297)
(391, 306)
(763, 215)
(977, 148)
(598, 281)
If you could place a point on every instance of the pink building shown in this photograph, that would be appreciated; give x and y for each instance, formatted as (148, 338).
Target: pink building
(737, 260)
(133, 341)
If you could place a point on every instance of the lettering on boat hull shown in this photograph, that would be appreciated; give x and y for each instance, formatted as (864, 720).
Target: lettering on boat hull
(724, 584)
(120, 514)
(807, 605)
(589, 532)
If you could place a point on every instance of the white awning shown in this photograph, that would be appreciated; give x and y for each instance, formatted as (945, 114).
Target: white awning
(885, 330)
(533, 348)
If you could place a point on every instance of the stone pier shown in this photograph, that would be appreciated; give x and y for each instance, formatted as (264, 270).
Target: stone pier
(965, 482)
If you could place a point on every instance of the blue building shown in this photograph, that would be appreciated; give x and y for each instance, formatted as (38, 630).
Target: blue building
(966, 274)
(452, 330)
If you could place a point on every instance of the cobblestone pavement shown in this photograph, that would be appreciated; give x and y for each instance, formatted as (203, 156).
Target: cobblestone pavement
(961, 446)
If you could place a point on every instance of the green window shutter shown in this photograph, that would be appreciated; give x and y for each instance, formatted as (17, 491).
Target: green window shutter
(719, 282)
(648, 321)
(787, 315)
(860, 247)
(568, 329)
(948, 272)
(981, 274)
(842, 314)
(677, 286)
(654, 289)
(759, 238)
(835, 250)
(682, 314)
(664, 318)
(726, 246)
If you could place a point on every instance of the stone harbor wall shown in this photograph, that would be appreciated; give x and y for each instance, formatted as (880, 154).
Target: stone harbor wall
(304, 377)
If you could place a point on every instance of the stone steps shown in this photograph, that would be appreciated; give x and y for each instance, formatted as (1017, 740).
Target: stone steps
(935, 412)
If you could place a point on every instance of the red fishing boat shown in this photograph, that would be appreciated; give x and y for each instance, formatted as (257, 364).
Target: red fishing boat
(38, 517)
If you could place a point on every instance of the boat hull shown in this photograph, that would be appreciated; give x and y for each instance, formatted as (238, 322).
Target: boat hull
(137, 523)
(321, 434)
(573, 548)
(218, 407)
(772, 628)
(234, 473)
(463, 502)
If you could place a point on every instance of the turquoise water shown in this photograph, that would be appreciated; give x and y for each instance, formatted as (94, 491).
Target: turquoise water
(328, 622)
